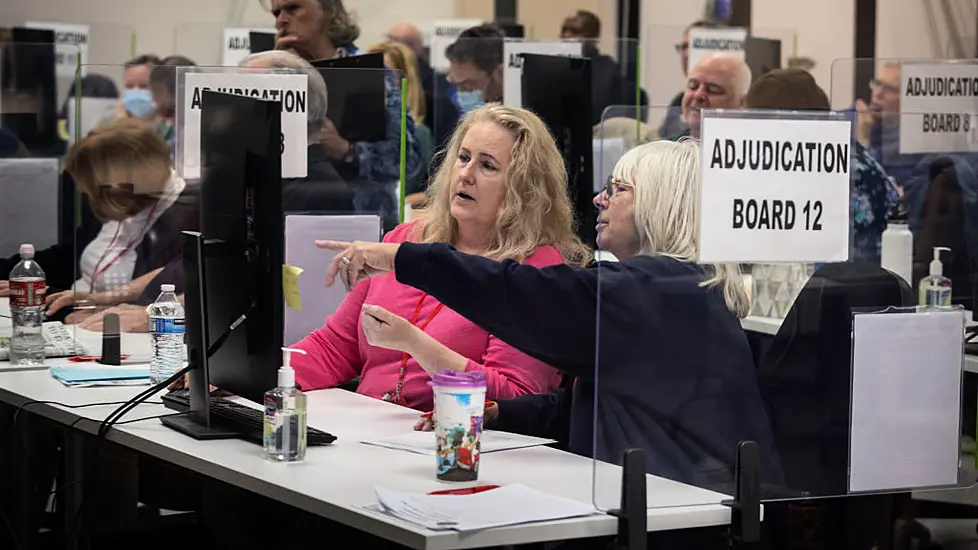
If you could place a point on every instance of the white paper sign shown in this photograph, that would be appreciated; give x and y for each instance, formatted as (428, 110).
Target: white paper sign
(938, 108)
(513, 72)
(905, 424)
(69, 40)
(290, 89)
(444, 32)
(704, 41)
(237, 44)
(774, 190)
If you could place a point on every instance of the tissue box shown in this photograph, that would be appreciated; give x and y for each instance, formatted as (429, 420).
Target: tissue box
(775, 287)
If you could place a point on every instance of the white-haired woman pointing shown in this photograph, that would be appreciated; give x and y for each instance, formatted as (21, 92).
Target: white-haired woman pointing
(675, 375)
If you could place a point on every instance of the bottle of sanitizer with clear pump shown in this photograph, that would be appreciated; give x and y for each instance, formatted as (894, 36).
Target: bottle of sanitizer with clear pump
(935, 289)
(285, 415)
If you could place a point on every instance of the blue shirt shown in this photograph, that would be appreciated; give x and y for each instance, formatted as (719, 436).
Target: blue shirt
(380, 161)
(872, 196)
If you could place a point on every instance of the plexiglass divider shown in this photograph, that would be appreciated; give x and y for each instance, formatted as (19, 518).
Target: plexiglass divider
(674, 376)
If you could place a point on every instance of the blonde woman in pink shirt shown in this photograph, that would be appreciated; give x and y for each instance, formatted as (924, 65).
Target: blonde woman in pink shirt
(501, 192)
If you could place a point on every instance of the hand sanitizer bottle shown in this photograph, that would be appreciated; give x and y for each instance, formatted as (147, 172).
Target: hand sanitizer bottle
(935, 289)
(285, 416)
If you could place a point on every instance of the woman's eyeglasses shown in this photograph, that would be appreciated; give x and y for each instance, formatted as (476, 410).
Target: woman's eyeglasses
(614, 186)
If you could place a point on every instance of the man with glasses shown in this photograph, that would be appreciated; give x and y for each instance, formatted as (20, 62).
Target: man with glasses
(878, 124)
(717, 81)
(672, 124)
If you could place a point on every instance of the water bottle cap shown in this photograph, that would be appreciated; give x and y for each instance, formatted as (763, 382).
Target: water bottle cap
(27, 250)
(168, 288)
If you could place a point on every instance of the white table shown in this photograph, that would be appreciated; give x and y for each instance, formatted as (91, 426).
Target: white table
(136, 345)
(337, 482)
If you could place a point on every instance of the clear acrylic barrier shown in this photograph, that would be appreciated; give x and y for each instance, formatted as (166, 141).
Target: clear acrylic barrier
(99, 264)
(665, 59)
(489, 69)
(30, 147)
(928, 146)
(674, 375)
(364, 110)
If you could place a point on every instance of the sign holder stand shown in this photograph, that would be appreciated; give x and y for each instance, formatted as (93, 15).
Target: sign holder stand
(745, 508)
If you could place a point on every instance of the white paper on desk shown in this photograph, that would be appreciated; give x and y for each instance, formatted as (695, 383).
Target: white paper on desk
(490, 441)
(319, 302)
(906, 400)
(508, 505)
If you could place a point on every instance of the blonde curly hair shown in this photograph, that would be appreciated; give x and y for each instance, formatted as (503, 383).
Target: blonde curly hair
(536, 209)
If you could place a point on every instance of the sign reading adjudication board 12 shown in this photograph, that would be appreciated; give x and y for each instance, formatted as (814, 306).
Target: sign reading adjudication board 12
(290, 89)
(703, 41)
(774, 190)
(938, 108)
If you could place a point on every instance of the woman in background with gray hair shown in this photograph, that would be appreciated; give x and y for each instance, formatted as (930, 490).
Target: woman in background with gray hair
(322, 190)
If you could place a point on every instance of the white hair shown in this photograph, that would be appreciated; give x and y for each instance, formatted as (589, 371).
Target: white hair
(666, 176)
(742, 73)
(318, 97)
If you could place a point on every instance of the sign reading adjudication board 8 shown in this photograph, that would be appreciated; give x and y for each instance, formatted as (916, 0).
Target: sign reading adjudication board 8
(939, 108)
(774, 190)
(290, 89)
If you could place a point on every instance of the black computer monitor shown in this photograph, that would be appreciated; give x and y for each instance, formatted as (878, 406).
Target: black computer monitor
(233, 266)
(558, 89)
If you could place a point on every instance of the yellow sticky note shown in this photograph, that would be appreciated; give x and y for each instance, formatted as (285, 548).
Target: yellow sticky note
(290, 286)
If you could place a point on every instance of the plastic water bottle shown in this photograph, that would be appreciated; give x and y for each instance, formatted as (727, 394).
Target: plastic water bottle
(897, 246)
(28, 288)
(166, 329)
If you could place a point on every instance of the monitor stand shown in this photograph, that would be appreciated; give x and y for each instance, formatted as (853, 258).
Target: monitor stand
(197, 422)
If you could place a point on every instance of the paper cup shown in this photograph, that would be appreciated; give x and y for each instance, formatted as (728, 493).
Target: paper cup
(460, 400)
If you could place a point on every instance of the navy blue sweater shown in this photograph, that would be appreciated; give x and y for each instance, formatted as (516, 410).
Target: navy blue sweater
(674, 371)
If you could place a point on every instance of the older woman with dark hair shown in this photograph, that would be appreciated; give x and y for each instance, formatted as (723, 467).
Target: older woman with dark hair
(324, 29)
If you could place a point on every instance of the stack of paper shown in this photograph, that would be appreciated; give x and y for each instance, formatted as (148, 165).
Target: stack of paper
(490, 441)
(510, 505)
(85, 376)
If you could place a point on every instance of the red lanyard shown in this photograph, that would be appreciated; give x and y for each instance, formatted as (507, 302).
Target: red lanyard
(96, 272)
(395, 396)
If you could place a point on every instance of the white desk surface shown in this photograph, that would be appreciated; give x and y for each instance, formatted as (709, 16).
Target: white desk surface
(137, 345)
(338, 481)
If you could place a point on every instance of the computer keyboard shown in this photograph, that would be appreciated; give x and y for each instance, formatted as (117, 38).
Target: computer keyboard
(240, 418)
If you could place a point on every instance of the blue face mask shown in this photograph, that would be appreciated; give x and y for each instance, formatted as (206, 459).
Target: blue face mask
(469, 101)
(139, 103)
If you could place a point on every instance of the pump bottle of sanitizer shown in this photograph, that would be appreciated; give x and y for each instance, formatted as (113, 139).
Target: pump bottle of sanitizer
(935, 289)
(285, 416)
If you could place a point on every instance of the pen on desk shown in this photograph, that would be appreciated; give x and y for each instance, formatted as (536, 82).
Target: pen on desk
(467, 491)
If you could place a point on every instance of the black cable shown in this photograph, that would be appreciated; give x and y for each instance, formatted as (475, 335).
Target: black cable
(132, 420)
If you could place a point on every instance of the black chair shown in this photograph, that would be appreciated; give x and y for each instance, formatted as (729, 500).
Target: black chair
(805, 384)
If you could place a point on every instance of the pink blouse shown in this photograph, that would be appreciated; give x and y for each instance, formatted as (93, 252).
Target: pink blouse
(339, 351)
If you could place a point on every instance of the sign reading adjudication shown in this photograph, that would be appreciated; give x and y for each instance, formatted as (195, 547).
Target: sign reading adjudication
(290, 89)
(513, 71)
(774, 190)
(444, 32)
(69, 41)
(939, 108)
(704, 41)
(237, 44)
